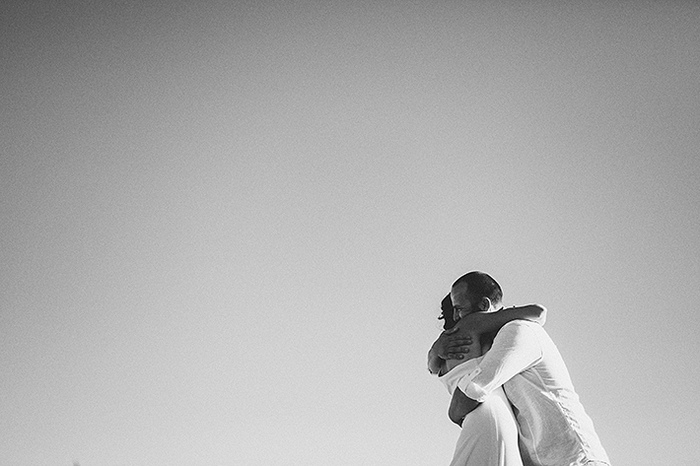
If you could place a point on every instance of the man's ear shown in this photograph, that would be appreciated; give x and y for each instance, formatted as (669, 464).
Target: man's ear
(484, 304)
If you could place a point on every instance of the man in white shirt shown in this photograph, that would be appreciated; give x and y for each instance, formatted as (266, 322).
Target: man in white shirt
(489, 434)
(554, 429)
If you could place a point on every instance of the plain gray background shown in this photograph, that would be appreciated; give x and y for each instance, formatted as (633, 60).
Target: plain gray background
(227, 226)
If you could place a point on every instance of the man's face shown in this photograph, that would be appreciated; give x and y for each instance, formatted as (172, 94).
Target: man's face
(461, 301)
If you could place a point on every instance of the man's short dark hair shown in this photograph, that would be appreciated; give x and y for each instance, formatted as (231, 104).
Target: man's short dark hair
(481, 285)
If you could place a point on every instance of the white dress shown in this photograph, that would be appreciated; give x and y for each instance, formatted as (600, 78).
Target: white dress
(489, 434)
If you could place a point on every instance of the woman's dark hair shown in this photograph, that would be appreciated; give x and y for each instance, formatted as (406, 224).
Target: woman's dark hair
(447, 313)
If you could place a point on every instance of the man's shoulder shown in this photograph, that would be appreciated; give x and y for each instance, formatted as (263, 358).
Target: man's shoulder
(521, 323)
(519, 329)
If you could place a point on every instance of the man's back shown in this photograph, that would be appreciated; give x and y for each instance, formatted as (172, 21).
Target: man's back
(554, 427)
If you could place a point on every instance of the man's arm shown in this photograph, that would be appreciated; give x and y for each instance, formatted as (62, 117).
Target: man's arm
(484, 322)
(454, 343)
(456, 346)
(460, 406)
(515, 349)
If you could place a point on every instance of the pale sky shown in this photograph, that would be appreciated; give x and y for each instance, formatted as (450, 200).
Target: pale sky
(227, 226)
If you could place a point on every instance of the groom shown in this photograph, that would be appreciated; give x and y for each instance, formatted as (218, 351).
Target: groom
(554, 429)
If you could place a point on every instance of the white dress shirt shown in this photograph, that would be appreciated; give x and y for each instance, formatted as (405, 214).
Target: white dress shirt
(553, 426)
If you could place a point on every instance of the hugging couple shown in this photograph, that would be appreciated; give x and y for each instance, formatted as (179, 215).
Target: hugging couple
(511, 391)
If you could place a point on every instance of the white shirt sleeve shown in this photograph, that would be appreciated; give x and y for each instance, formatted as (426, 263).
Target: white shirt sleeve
(515, 348)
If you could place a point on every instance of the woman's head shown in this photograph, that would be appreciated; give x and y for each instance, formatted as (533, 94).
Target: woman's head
(447, 313)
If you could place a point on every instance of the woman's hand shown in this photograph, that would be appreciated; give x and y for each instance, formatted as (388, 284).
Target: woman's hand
(453, 344)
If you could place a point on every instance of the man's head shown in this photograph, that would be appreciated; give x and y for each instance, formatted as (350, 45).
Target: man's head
(475, 292)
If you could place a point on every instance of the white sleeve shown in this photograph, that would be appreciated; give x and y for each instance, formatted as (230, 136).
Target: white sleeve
(515, 348)
(464, 370)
